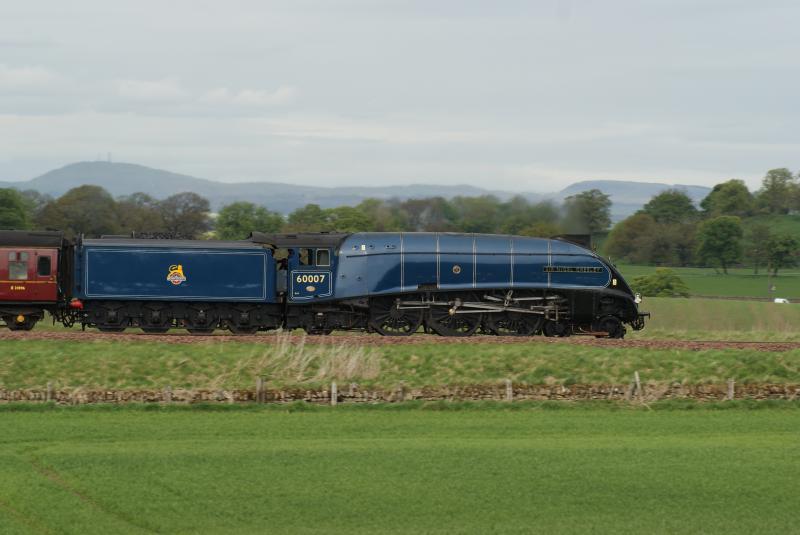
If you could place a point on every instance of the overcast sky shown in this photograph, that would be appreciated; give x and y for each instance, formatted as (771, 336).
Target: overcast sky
(526, 96)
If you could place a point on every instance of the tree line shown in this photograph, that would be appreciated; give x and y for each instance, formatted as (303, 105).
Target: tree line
(732, 226)
(92, 211)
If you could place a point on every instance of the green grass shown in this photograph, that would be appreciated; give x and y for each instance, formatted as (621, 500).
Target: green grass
(375, 471)
(214, 365)
(719, 319)
(739, 282)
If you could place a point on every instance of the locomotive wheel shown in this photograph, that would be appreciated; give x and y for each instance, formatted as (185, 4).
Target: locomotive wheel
(445, 324)
(26, 325)
(317, 331)
(107, 329)
(612, 325)
(155, 330)
(511, 324)
(555, 329)
(389, 320)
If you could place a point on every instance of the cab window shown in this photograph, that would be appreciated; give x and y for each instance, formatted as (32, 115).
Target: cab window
(18, 266)
(323, 257)
(43, 266)
(305, 257)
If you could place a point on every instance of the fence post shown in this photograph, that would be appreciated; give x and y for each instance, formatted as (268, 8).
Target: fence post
(260, 394)
(638, 385)
(168, 394)
(509, 391)
(334, 394)
(731, 390)
(49, 395)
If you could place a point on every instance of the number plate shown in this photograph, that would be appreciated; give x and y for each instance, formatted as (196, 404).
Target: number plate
(308, 284)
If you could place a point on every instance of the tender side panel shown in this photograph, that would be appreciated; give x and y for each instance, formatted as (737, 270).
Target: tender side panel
(176, 274)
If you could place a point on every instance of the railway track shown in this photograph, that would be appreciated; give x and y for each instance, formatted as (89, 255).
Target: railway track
(421, 339)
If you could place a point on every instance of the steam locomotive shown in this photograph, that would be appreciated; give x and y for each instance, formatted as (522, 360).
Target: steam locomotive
(394, 284)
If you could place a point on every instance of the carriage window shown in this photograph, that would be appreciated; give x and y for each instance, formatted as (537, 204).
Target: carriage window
(306, 258)
(43, 266)
(18, 266)
(323, 257)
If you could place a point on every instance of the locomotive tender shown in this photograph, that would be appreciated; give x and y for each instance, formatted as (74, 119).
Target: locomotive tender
(390, 283)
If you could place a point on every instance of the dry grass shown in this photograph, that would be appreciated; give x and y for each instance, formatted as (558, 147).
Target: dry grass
(290, 361)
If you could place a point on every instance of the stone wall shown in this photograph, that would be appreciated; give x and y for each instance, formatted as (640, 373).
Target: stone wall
(354, 394)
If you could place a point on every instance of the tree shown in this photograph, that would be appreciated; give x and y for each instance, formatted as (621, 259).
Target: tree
(88, 210)
(186, 215)
(14, 212)
(383, 216)
(518, 216)
(719, 241)
(540, 230)
(235, 221)
(775, 194)
(587, 212)
(663, 283)
(756, 240)
(671, 206)
(477, 214)
(347, 219)
(433, 214)
(781, 253)
(728, 198)
(310, 218)
(630, 239)
(140, 213)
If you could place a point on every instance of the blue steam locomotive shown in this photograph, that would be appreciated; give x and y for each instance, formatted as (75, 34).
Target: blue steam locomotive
(389, 283)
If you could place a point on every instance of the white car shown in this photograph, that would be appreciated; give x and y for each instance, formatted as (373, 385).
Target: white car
(781, 300)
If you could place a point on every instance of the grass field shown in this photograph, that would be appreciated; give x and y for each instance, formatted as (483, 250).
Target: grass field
(365, 470)
(716, 319)
(739, 282)
(214, 365)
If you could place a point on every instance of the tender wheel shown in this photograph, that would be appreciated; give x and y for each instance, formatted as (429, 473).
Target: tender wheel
(318, 331)
(201, 320)
(555, 329)
(513, 324)
(443, 323)
(243, 329)
(611, 325)
(13, 323)
(387, 319)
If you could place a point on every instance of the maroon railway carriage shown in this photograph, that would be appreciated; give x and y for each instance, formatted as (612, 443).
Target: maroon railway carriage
(30, 264)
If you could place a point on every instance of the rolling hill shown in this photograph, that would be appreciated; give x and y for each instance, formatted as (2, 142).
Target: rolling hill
(126, 178)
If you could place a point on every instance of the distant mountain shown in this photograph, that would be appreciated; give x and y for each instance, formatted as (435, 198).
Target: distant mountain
(125, 178)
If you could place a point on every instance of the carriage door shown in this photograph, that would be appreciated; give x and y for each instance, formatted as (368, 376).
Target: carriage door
(44, 274)
(310, 273)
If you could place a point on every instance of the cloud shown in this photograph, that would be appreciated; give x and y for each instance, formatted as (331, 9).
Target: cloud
(250, 97)
(167, 89)
(25, 77)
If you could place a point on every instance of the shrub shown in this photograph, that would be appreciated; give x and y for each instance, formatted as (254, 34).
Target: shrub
(663, 283)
